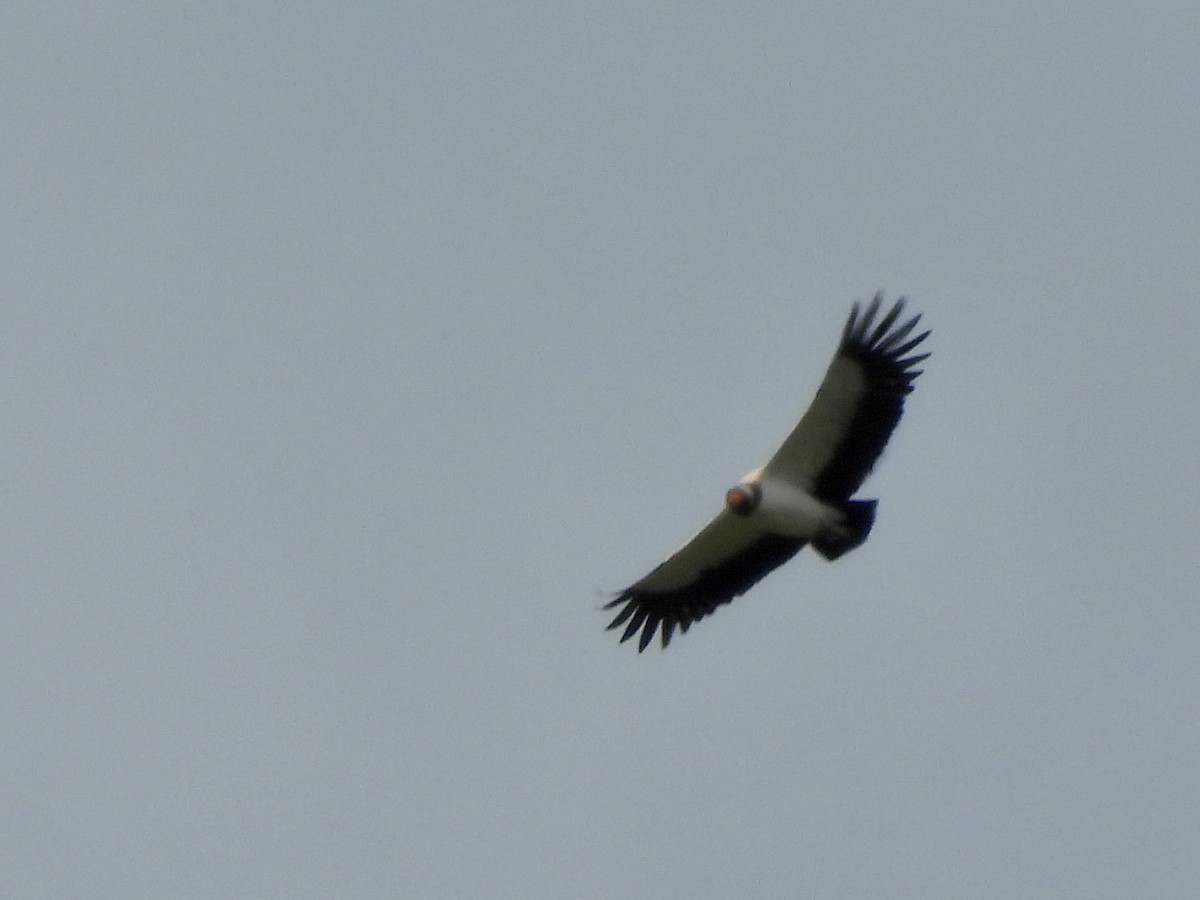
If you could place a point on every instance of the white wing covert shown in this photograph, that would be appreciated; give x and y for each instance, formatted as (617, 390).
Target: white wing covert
(839, 439)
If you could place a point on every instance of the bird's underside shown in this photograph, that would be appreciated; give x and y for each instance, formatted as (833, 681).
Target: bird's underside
(801, 496)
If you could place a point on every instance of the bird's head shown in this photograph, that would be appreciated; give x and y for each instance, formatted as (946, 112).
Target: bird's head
(742, 499)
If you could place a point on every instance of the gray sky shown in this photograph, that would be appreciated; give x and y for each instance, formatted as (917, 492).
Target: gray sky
(352, 352)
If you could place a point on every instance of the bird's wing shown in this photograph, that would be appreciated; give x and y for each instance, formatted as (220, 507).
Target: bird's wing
(724, 560)
(837, 441)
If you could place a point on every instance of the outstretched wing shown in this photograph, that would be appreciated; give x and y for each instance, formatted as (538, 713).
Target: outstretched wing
(835, 445)
(723, 561)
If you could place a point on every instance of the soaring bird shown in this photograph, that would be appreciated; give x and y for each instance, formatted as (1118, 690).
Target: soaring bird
(803, 493)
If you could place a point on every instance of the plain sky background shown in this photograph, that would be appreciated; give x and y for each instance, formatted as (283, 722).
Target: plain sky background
(352, 352)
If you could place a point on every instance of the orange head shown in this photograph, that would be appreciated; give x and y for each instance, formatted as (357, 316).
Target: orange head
(742, 499)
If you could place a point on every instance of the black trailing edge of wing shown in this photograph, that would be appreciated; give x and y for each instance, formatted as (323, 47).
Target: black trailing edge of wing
(668, 610)
(880, 349)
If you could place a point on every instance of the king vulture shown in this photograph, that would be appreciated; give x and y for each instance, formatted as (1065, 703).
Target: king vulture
(802, 495)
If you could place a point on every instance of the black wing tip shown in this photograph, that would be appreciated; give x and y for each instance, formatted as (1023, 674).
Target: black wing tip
(885, 344)
(641, 617)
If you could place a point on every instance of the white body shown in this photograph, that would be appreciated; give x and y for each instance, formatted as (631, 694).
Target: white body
(786, 508)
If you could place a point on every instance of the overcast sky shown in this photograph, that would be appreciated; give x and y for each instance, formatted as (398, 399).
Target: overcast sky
(353, 352)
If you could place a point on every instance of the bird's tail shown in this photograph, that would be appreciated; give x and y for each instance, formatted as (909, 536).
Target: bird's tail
(853, 530)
